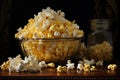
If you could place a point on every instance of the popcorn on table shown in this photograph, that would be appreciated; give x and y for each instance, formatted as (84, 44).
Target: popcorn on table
(112, 67)
(29, 64)
(70, 65)
(61, 68)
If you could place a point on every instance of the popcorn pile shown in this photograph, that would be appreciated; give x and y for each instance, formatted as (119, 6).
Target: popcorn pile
(49, 24)
(44, 26)
(102, 51)
(29, 64)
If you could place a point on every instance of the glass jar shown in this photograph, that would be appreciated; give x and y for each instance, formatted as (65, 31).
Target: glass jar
(99, 42)
(99, 32)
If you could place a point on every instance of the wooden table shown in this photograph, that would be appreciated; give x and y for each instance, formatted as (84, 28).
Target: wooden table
(51, 73)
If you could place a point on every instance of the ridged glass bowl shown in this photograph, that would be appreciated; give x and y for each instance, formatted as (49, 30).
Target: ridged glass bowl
(52, 49)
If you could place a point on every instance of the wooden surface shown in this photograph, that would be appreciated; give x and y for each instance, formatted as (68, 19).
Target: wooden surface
(51, 73)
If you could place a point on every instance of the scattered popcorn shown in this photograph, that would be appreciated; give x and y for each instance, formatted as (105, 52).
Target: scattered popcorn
(112, 67)
(86, 67)
(80, 67)
(29, 64)
(70, 65)
(61, 68)
(99, 63)
(5, 65)
(93, 68)
(42, 64)
(51, 65)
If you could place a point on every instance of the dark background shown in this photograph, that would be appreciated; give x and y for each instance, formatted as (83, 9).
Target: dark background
(15, 14)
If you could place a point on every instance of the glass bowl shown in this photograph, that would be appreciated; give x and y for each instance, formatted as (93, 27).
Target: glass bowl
(52, 49)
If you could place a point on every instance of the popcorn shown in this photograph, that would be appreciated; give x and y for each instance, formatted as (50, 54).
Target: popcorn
(80, 67)
(102, 51)
(42, 64)
(93, 68)
(86, 67)
(5, 65)
(29, 64)
(112, 67)
(70, 65)
(61, 68)
(51, 24)
(51, 65)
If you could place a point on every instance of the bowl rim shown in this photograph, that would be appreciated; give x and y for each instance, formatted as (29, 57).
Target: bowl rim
(51, 39)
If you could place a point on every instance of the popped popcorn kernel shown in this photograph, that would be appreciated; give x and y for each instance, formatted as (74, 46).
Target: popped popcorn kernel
(51, 65)
(86, 67)
(61, 68)
(5, 65)
(70, 65)
(93, 68)
(112, 67)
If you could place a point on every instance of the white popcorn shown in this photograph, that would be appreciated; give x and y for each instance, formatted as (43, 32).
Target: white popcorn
(19, 29)
(29, 63)
(42, 64)
(47, 18)
(70, 65)
(80, 67)
(56, 33)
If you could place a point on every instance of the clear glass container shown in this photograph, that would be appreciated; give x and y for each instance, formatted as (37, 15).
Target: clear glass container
(99, 41)
(52, 49)
(99, 32)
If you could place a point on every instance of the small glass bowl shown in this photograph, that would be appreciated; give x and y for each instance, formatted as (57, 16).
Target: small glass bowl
(51, 50)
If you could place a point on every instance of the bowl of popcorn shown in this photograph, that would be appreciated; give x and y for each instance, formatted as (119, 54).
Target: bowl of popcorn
(50, 37)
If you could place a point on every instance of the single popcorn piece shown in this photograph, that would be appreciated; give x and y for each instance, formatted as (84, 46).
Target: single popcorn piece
(51, 65)
(80, 67)
(70, 65)
(93, 68)
(112, 67)
(5, 65)
(61, 68)
(86, 67)
(42, 64)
